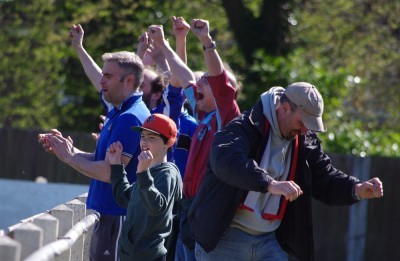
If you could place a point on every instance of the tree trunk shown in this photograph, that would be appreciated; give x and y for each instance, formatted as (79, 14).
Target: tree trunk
(269, 31)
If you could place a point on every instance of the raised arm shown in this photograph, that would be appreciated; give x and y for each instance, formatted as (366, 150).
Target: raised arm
(152, 55)
(122, 190)
(92, 70)
(159, 59)
(213, 62)
(180, 28)
(143, 44)
(179, 69)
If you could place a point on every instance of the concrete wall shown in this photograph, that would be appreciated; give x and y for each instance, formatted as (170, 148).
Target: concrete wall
(63, 233)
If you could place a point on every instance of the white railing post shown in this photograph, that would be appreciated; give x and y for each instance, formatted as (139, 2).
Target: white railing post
(79, 209)
(82, 197)
(10, 249)
(54, 249)
(63, 233)
(88, 235)
(29, 236)
(49, 224)
(65, 216)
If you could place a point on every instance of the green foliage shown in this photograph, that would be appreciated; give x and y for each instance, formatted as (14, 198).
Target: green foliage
(348, 49)
(268, 71)
(349, 137)
(26, 65)
(43, 84)
(344, 133)
(361, 39)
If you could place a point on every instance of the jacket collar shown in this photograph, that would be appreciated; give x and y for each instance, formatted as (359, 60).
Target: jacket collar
(130, 100)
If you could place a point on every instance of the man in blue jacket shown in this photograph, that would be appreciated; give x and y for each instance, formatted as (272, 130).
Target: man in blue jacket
(118, 84)
(255, 201)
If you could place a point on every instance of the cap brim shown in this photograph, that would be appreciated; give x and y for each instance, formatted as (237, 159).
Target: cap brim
(313, 123)
(139, 129)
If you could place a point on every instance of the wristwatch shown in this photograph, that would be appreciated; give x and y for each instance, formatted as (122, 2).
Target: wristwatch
(212, 47)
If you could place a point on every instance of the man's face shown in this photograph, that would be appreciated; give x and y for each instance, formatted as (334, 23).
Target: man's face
(291, 123)
(112, 87)
(204, 95)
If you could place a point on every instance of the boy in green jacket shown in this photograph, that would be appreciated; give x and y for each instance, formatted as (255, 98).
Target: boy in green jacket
(150, 200)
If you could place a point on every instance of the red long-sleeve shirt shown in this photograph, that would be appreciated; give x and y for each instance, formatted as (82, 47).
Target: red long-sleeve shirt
(227, 109)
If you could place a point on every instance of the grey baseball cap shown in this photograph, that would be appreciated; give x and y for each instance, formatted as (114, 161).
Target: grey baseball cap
(310, 101)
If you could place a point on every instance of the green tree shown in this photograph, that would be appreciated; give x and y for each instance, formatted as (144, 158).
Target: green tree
(43, 84)
(260, 25)
(30, 79)
(113, 26)
(361, 38)
(349, 49)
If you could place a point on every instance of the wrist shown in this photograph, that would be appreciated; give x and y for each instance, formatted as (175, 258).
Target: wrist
(206, 40)
(208, 47)
(140, 171)
(115, 162)
(69, 158)
(356, 195)
(163, 45)
(180, 38)
(78, 47)
(140, 53)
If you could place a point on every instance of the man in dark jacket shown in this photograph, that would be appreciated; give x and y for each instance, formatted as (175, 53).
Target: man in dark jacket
(264, 168)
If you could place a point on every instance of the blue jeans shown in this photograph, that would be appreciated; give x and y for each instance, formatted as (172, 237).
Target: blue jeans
(182, 253)
(238, 245)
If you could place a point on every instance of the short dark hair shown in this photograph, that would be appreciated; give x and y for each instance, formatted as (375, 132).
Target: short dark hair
(158, 85)
(293, 106)
(165, 140)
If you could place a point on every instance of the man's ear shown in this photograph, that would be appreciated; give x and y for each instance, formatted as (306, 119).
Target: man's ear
(285, 107)
(130, 78)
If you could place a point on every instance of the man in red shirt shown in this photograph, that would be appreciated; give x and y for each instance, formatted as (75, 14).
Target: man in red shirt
(213, 100)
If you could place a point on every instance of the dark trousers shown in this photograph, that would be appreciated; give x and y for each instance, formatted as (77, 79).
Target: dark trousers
(104, 240)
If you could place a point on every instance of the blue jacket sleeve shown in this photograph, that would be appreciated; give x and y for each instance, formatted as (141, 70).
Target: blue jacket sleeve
(173, 99)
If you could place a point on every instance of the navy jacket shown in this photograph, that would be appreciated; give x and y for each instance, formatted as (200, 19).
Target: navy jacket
(233, 171)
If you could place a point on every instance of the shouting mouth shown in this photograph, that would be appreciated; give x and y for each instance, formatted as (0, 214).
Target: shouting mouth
(199, 96)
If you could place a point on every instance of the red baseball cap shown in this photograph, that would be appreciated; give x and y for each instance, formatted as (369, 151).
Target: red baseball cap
(159, 124)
